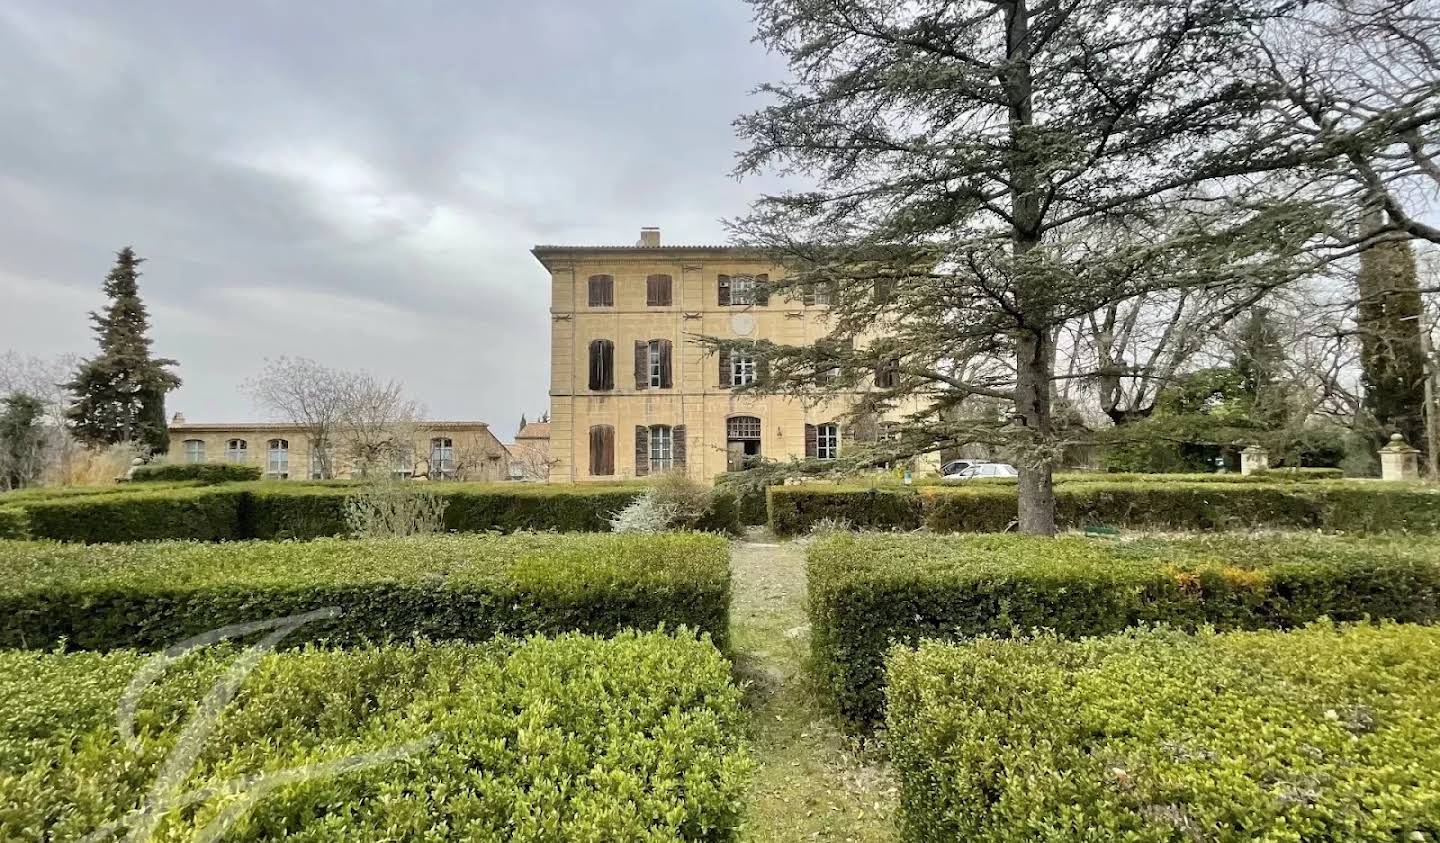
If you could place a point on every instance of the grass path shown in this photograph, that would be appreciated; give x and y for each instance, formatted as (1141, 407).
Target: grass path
(812, 782)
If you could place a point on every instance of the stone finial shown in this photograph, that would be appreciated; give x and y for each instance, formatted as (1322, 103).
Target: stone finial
(1399, 461)
(1253, 459)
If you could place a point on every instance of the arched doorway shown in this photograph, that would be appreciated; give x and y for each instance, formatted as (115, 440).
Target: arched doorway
(742, 442)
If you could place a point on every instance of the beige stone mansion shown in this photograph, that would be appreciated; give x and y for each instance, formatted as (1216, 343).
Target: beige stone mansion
(631, 392)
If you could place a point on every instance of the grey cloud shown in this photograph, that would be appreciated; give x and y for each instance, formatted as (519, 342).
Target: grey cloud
(355, 182)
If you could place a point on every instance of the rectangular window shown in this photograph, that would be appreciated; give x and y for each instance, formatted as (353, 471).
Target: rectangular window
(657, 291)
(656, 364)
(602, 291)
(319, 463)
(602, 365)
(404, 466)
(824, 293)
(887, 374)
(602, 450)
(662, 448)
(194, 450)
(742, 369)
(827, 441)
(742, 289)
(442, 457)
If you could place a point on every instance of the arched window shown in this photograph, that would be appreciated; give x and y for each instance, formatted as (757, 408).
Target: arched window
(237, 450)
(277, 459)
(194, 450)
(742, 442)
(442, 456)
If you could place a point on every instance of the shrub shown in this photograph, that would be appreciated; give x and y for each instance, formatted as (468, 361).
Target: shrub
(1321, 734)
(1346, 506)
(444, 587)
(869, 591)
(392, 510)
(13, 523)
(645, 514)
(208, 473)
(795, 509)
(633, 738)
(200, 514)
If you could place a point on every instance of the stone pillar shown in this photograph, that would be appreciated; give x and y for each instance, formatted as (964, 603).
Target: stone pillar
(1253, 459)
(1399, 461)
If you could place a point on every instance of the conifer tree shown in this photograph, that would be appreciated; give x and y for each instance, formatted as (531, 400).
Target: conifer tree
(120, 393)
(1391, 357)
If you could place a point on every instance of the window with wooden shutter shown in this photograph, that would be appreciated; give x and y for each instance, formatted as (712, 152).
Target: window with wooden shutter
(642, 450)
(722, 291)
(642, 364)
(662, 447)
(827, 441)
(664, 353)
(602, 291)
(602, 450)
(884, 291)
(657, 291)
(762, 370)
(761, 294)
(602, 365)
(677, 434)
(812, 438)
(725, 371)
(887, 374)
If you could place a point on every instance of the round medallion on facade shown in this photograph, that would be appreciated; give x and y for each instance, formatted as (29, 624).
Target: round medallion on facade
(742, 324)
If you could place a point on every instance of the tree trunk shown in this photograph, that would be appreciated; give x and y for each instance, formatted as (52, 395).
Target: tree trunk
(1034, 346)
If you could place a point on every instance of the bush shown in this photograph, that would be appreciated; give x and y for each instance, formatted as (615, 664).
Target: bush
(445, 587)
(13, 524)
(199, 514)
(1347, 506)
(633, 738)
(208, 473)
(868, 592)
(1322, 734)
(795, 509)
(389, 509)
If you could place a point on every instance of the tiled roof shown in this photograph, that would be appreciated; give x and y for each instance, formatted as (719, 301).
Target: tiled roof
(534, 430)
(250, 425)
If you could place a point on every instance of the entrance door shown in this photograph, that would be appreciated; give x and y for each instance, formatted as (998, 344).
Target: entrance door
(742, 442)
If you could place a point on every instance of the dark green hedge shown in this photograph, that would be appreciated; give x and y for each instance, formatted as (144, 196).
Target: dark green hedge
(307, 511)
(199, 514)
(870, 591)
(638, 737)
(208, 473)
(13, 523)
(445, 587)
(1351, 506)
(1321, 734)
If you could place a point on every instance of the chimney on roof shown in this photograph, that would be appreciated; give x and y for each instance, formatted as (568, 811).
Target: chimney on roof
(179, 418)
(649, 237)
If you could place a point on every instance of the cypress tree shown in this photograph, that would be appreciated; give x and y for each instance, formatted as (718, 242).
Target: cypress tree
(120, 393)
(1391, 357)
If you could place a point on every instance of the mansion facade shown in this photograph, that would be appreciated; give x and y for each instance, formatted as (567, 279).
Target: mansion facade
(632, 393)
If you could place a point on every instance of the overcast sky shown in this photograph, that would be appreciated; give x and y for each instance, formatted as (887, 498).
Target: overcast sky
(356, 182)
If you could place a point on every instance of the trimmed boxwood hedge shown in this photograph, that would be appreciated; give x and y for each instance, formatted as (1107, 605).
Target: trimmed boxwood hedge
(867, 592)
(283, 510)
(444, 587)
(13, 523)
(638, 737)
(1353, 506)
(1322, 734)
(200, 472)
(209, 514)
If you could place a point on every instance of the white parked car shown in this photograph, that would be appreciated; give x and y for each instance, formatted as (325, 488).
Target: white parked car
(987, 469)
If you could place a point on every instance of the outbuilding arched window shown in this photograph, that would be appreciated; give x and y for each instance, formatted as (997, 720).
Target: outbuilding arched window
(277, 459)
(194, 450)
(442, 456)
(237, 450)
